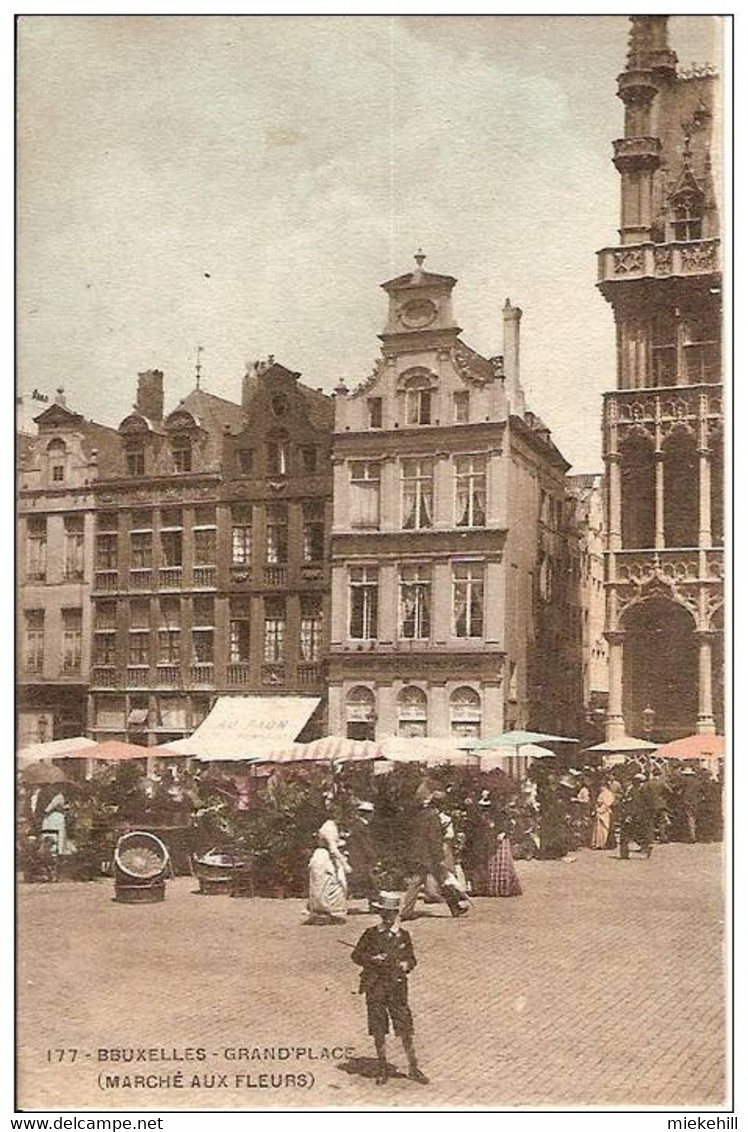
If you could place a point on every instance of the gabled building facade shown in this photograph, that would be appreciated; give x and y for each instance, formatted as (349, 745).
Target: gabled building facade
(440, 474)
(209, 560)
(663, 421)
(57, 470)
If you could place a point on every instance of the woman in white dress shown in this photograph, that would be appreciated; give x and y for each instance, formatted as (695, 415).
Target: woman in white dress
(328, 877)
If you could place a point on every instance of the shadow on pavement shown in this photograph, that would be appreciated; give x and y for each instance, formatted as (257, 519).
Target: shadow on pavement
(366, 1067)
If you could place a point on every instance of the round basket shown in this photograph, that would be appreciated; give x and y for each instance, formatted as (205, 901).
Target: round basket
(215, 872)
(141, 861)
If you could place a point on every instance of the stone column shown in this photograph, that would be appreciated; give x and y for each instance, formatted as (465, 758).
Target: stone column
(438, 717)
(614, 724)
(705, 724)
(659, 501)
(386, 710)
(705, 498)
(614, 501)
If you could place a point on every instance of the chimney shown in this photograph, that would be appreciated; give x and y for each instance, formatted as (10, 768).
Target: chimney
(150, 400)
(514, 392)
(251, 382)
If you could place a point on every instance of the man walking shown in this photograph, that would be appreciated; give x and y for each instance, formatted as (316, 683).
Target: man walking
(362, 855)
(428, 860)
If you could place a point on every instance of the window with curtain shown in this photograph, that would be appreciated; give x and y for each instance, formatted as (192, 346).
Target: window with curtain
(364, 594)
(73, 547)
(141, 550)
(106, 552)
(105, 649)
(365, 493)
(418, 401)
(417, 479)
(33, 646)
(275, 630)
(311, 628)
(465, 712)
(415, 602)
(72, 638)
(205, 546)
(36, 548)
(241, 536)
(239, 640)
(169, 633)
(277, 456)
(470, 491)
(276, 533)
(467, 599)
(412, 712)
(139, 649)
(313, 532)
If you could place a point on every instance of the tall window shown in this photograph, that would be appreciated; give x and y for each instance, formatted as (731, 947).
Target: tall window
(241, 536)
(141, 549)
(418, 493)
(374, 408)
(105, 649)
(470, 491)
(309, 458)
(202, 646)
(106, 552)
(275, 630)
(36, 548)
(360, 713)
(467, 599)
(169, 633)
(33, 649)
(461, 406)
(415, 603)
(171, 546)
(106, 615)
(239, 640)
(664, 353)
(56, 458)
(364, 592)
(412, 712)
(205, 546)
(418, 398)
(245, 461)
(701, 347)
(135, 459)
(181, 454)
(277, 453)
(465, 712)
(313, 533)
(365, 485)
(311, 628)
(276, 533)
(139, 649)
(72, 625)
(203, 634)
(73, 547)
(687, 213)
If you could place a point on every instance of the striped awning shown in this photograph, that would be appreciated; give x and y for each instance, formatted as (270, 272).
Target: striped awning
(330, 748)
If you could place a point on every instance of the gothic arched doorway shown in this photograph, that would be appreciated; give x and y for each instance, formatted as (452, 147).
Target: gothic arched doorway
(660, 669)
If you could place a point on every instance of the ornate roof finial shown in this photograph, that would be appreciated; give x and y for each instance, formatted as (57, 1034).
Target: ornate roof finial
(198, 367)
(419, 257)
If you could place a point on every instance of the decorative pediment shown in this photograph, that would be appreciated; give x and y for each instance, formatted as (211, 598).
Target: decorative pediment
(417, 377)
(134, 425)
(181, 420)
(686, 185)
(57, 416)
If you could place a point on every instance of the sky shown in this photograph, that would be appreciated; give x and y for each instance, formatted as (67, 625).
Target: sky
(246, 183)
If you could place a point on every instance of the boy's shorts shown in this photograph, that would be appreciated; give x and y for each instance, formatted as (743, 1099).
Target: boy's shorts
(392, 1002)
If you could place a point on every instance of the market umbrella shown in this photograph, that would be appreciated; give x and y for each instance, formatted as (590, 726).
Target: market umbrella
(521, 739)
(54, 749)
(694, 747)
(496, 758)
(623, 745)
(42, 774)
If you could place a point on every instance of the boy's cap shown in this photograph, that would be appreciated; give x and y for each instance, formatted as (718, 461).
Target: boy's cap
(387, 902)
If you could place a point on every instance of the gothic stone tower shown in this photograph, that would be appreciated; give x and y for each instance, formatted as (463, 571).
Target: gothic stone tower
(663, 423)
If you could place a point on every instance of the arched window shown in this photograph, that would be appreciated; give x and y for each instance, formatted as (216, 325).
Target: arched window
(465, 712)
(418, 400)
(57, 455)
(412, 712)
(360, 713)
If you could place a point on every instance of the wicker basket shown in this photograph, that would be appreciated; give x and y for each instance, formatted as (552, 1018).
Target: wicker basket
(141, 862)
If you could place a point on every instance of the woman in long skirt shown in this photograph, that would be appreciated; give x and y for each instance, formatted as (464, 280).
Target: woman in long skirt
(603, 817)
(328, 877)
(502, 876)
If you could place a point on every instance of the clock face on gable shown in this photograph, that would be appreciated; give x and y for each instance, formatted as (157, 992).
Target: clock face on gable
(418, 313)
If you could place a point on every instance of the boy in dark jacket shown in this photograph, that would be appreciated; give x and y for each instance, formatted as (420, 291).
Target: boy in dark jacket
(385, 952)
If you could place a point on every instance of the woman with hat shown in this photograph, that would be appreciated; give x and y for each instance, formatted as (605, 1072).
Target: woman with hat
(496, 874)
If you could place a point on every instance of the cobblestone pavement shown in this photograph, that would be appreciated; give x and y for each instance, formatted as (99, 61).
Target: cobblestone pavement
(602, 985)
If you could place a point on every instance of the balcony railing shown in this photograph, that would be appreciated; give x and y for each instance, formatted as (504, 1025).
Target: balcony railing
(141, 578)
(167, 675)
(310, 672)
(273, 675)
(104, 676)
(276, 576)
(201, 674)
(170, 577)
(137, 675)
(204, 577)
(106, 580)
(658, 261)
(237, 675)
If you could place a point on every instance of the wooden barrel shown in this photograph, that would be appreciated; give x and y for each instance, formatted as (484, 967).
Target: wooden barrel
(141, 861)
(215, 872)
